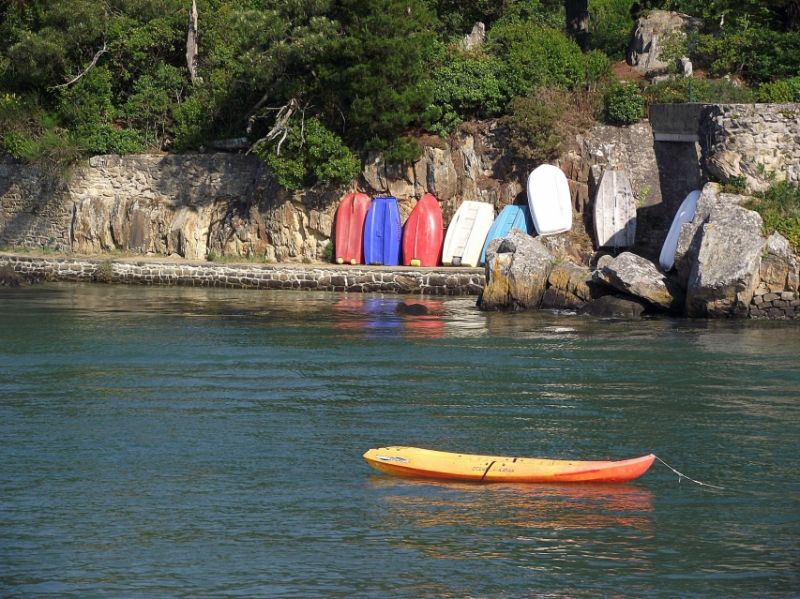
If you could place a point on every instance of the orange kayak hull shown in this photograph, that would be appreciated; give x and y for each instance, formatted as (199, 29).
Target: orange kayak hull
(415, 462)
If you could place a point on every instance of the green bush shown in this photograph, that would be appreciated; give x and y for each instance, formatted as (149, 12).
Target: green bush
(780, 92)
(598, 67)
(191, 126)
(533, 56)
(611, 25)
(466, 86)
(713, 91)
(624, 104)
(107, 139)
(88, 111)
(758, 55)
(308, 155)
(150, 106)
(328, 251)
(779, 207)
(539, 122)
(31, 134)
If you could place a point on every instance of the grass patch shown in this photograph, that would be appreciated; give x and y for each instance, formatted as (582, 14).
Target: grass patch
(779, 207)
(104, 273)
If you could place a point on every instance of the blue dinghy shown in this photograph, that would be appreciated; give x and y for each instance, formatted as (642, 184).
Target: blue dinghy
(513, 216)
(382, 232)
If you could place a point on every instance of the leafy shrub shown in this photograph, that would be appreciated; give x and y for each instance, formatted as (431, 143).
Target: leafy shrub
(309, 154)
(779, 207)
(780, 92)
(533, 56)
(150, 106)
(192, 122)
(624, 104)
(713, 91)
(32, 134)
(107, 139)
(104, 272)
(598, 67)
(465, 86)
(611, 26)
(539, 122)
(756, 54)
(87, 109)
(328, 251)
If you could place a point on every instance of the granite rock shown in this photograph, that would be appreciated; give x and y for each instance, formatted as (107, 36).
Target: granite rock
(517, 268)
(636, 276)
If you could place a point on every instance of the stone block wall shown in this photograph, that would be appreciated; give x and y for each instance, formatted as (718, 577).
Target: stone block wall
(425, 281)
(757, 142)
(33, 212)
(777, 294)
(187, 205)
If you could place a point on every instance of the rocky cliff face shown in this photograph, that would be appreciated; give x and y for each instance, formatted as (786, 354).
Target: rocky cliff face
(229, 204)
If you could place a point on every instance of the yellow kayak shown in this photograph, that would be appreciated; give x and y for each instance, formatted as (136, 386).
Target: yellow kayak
(427, 463)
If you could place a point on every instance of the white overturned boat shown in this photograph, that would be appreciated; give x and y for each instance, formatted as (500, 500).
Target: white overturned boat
(549, 200)
(467, 232)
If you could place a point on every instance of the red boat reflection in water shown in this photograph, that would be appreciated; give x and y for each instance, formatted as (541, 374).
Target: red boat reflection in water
(520, 506)
(382, 317)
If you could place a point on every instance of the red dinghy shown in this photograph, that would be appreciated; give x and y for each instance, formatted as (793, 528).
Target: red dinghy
(422, 233)
(350, 217)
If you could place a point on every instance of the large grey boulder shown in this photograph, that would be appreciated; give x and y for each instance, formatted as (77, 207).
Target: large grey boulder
(636, 276)
(569, 286)
(475, 38)
(517, 268)
(690, 236)
(650, 34)
(726, 273)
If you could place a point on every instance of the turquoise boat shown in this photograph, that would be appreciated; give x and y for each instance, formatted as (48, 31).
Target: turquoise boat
(513, 216)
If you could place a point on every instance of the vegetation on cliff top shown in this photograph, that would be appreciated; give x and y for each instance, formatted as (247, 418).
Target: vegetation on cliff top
(316, 84)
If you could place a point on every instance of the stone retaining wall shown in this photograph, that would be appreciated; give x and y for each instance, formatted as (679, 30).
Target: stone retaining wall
(759, 143)
(778, 292)
(452, 281)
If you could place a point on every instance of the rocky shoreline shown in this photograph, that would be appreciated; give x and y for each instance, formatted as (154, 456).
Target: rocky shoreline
(725, 267)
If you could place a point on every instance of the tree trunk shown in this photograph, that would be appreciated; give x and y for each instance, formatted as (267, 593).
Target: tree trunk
(578, 21)
(191, 43)
(793, 15)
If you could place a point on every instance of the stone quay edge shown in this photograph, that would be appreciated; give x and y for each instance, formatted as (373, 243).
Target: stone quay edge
(314, 277)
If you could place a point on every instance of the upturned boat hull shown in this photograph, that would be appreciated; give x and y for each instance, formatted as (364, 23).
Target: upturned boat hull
(426, 463)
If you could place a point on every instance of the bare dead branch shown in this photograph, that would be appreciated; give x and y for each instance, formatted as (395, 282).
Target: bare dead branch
(191, 44)
(97, 56)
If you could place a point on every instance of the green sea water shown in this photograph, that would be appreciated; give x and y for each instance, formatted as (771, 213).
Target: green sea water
(172, 442)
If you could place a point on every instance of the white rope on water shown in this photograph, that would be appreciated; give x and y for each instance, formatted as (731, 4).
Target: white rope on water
(682, 475)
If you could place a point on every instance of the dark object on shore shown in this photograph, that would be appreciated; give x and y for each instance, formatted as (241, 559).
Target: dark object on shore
(11, 278)
(611, 306)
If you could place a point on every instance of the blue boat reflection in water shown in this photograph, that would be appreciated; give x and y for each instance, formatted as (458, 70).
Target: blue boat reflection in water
(391, 317)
